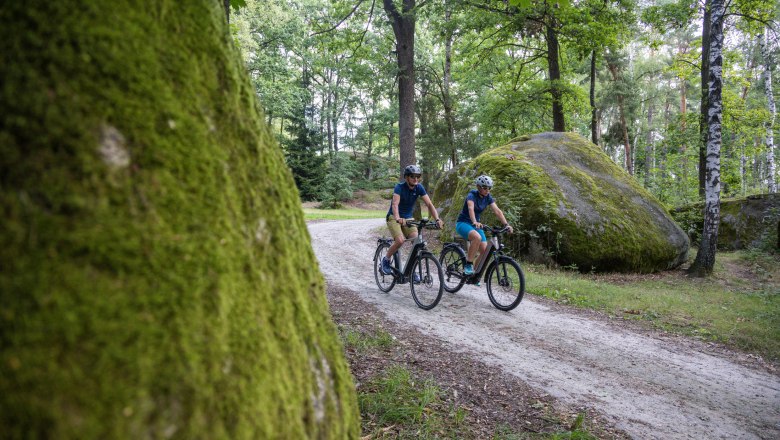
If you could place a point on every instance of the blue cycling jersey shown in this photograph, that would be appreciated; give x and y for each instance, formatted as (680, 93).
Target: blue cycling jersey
(480, 203)
(408, 199)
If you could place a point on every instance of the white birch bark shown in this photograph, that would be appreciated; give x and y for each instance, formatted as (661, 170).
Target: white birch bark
(770, 139)
(705, 257)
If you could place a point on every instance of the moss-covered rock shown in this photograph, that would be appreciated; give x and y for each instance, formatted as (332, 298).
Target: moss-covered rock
(746, 222)
(157, 275)
(570, 204)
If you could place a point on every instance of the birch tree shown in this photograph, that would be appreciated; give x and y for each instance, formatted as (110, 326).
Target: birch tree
(705, 257)
(770, 142)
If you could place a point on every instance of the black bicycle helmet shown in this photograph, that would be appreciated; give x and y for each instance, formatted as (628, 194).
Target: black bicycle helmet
(412, 169)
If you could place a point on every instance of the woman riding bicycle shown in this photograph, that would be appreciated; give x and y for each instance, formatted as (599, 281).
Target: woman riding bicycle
(405, 195)
(468, 225)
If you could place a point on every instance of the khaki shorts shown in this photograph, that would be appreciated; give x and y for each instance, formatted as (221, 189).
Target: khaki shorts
(397, 230)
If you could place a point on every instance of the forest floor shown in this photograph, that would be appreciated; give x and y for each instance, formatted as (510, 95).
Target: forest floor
(535, 369)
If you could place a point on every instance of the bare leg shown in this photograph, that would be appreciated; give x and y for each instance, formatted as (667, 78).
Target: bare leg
(474, 245)
(397, 243)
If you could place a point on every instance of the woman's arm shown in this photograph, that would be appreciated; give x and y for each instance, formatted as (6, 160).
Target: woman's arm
(500, 215)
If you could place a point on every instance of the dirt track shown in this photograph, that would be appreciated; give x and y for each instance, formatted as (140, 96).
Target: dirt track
(650, 385)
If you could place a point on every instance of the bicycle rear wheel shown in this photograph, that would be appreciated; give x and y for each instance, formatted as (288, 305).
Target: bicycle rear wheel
(452, 262)
(384, 282)
(427, 292)
(505, 284)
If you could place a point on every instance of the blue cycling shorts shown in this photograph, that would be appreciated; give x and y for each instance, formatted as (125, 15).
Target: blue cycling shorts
(463, 229)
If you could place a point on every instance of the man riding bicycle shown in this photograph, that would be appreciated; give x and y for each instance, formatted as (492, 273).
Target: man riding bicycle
(405, 196)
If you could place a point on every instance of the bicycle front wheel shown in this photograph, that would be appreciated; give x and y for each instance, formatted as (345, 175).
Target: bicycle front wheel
(384, 282)
(452, 261)
(427, 282)
(505, 284)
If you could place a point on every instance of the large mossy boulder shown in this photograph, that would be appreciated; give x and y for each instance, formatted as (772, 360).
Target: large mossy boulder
(571, 205)
(157, 275)
(745, 222)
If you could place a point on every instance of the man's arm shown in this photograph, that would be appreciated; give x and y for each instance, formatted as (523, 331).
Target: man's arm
(396, 201)
(431, 209)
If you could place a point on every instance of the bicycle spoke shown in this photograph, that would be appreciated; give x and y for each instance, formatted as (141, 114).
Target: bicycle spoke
(505, 284)
(427, 291)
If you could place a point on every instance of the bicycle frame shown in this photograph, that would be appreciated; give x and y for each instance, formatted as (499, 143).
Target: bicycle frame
(493, 250)
(418, 247)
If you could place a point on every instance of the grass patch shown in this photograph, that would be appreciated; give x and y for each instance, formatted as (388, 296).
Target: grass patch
(396, 405)
(738, 305)
(342, 214)
(360, 341)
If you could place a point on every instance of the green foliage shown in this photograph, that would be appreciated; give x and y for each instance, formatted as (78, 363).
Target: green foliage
(301, 147)
(337, 187)
(157, 276)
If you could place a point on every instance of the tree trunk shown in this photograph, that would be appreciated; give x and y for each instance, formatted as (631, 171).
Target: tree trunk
(613, 69)
(649, 148)
(227, 10)
(328, 111)
(448, 115)
(703, 118)
(403, 27)
(370, 148)
(594, 118)
(334, 120)
(705, 257)
(146, 289)
(770, 139)
(554, 71)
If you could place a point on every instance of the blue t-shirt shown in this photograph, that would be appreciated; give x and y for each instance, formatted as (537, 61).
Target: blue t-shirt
(408, 199)
(480, 203)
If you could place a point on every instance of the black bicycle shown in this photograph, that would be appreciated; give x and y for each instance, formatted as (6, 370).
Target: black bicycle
(504, 278)
(421, 268)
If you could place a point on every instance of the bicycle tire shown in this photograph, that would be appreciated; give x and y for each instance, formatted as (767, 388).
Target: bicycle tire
(428, 291)
(452, 261)
(384, 282)
(508, 280)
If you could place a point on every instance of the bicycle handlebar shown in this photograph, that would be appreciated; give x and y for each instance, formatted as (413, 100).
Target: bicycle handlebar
(496, 231)
(424, 223)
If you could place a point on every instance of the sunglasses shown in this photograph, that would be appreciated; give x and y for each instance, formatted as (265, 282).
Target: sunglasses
(415, 176)
(485, 187)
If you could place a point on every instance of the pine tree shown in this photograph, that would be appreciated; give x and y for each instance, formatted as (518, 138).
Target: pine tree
(301, 149)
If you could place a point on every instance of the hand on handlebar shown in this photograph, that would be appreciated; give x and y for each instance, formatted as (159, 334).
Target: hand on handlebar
(477, 225)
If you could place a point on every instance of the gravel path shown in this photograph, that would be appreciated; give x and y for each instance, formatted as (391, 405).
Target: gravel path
(648, 385)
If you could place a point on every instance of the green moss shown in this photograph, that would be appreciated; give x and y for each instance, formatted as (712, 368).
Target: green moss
(571, 205)
(747, 222)
(158, 278)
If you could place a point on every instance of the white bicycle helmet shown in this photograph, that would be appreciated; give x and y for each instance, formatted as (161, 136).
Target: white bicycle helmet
(484, 180)
(412, 169)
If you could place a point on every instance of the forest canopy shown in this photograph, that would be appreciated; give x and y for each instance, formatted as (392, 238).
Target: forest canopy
(627, 75)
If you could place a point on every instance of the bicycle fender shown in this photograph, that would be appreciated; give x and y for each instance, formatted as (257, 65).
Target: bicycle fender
(455, 246)
(493, 263)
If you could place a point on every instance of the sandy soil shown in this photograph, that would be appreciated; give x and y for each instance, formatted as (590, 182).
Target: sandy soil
(647, 384)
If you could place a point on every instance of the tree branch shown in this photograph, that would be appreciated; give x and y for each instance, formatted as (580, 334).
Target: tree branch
(360, 2)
